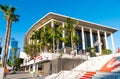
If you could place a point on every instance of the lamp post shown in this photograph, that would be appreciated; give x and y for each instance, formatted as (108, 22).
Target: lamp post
(34, 67)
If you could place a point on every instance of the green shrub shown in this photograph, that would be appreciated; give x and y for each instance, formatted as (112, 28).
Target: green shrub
(91, 51)
(92, 54)
(106, 51)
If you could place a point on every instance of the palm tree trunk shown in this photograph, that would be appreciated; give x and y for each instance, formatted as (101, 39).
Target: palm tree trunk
(71, 41)
(53, 39)
(9, 34)
(57, 45)
(40, 46)
(53, 44)
(7, 40)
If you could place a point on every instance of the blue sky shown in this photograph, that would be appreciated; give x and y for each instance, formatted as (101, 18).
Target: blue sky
(106, 12)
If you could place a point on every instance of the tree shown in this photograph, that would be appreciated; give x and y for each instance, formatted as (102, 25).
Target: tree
(10, 16)
(16, 63)
(31, 50)
(58, 35)
(71, 37)
(37, 39)
(47, 37)
(44, 38)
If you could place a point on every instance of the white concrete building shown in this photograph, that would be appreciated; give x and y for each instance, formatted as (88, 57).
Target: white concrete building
(91, 34)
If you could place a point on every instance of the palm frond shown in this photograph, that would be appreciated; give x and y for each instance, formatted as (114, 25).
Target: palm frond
(14, 18)
(4, 8)
(9, 12)
(12, 9)
(77, 23)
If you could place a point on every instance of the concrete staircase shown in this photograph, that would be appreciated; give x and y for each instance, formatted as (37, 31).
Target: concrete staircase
(88, 75)
(94, 63)
(107, 71)
(106, 75)
(95, 68)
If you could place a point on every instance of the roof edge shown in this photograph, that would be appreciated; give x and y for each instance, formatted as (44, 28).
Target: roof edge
(69, 17)
(83, 20)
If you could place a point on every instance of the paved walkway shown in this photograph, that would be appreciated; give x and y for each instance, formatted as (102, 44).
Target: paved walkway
(22, 75)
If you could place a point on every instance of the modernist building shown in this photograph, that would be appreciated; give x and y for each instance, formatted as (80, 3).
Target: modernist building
(91, 34)
(13, 44)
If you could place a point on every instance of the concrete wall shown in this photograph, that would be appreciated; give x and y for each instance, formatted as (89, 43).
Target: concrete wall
(1, 73)
(46, 68)
(57, 65)
(64, 64)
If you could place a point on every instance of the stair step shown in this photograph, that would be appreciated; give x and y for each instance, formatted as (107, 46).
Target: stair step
(88, 75)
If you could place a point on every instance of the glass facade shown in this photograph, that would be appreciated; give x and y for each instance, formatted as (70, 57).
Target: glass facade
(103, 41)
(95, 40)
(80, 44)
(13, 44)
(87, 40)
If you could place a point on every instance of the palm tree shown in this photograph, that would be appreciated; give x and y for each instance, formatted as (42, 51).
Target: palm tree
(72, 38)
(42, 38)
(34, 37)
(58, 35)
(46, 37)
(10, 16)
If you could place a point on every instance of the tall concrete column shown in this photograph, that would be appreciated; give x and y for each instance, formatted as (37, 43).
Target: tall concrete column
(113, 46)
(99, 42)
(63, 35)
(36, 69)
(25, 68)
(29, 68)
(91, 38)
(30, 41)
(33, 66)
(106, 41)
(83, 38)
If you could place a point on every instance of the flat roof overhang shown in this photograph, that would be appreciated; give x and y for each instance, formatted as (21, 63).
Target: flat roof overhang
(63, 18)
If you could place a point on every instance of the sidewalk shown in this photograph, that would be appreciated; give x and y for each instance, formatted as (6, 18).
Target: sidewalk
(22, 75)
